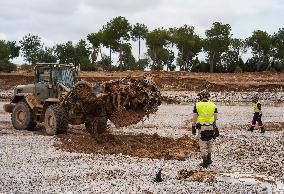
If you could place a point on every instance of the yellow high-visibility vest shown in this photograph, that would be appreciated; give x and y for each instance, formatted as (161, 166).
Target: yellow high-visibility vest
(255, 108)
(205, 111)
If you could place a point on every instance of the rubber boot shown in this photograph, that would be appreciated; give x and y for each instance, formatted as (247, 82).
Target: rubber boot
(262, 130)
(209, 161)
(251, 128)
(204, 164)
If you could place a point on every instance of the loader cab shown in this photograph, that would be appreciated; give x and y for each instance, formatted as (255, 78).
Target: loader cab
(49, 75)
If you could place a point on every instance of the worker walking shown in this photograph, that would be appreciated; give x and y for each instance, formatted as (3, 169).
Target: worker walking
(257, 115)
(204, 119)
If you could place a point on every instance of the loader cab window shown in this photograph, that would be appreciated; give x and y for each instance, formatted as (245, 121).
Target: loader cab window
(55, 75)
(67, 77)
(43, 75)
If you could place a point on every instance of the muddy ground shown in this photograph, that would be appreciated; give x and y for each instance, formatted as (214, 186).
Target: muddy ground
(141, 145)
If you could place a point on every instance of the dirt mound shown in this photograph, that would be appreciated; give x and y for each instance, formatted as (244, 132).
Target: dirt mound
(8, 81)
(189, 84)
(177, 81)
(199, 83)
(142, 145)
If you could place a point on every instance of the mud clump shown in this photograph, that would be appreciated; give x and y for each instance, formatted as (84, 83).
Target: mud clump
(141, 145)
(195, 175)
(274, 126)
(126, 118)
(130, 117)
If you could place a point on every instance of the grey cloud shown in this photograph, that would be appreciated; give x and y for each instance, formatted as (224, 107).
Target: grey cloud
(34, 7)
(63, 20)
(38, 17)
(58, 7)
(124, 5)
(205, 12)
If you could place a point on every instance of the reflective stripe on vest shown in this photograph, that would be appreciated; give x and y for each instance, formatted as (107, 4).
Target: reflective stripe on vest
(205, 111)
(255, 108)
(206, 115)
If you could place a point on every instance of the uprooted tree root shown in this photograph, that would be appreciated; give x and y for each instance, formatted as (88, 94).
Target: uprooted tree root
(142, 145)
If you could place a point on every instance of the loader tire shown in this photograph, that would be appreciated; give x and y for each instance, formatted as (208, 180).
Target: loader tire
(96, 125)
(22, 117)
(55, 120)
(102, 125)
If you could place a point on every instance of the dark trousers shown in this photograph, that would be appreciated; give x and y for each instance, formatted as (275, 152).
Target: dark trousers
(256, 118)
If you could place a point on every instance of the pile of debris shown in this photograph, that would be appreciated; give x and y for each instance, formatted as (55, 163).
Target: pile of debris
(124, 101)
(131, 99)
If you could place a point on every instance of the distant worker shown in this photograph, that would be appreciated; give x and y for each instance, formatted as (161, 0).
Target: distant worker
(204, 119)
(257, 114)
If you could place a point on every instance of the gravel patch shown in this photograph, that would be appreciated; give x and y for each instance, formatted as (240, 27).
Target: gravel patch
(31, 164)
(174, 120)
(190, 96)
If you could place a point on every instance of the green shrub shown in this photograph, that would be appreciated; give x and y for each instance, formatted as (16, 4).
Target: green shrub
(88, 67)
(7, 67)
(238, 69)
(26, 67)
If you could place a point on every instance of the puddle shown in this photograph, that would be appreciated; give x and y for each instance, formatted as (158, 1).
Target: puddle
(272, 185)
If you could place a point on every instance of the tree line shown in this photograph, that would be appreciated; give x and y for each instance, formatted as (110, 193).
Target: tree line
(166, 49)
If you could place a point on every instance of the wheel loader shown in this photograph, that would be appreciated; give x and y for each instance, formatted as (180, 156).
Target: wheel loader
(57, 98)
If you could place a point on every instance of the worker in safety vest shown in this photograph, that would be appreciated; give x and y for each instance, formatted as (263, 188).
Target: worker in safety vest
(257, 114)
(204, 119)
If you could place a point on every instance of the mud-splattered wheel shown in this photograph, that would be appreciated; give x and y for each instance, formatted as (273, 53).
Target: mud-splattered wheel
(22, 117)
(55, 120)
(83, 89)
(96, 125)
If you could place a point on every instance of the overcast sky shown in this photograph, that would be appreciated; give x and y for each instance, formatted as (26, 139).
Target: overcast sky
(58, 21)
